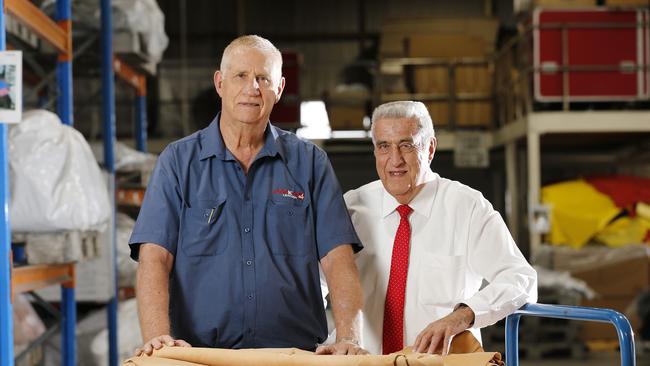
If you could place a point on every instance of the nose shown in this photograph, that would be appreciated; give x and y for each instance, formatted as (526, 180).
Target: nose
(395, 154)
(252, 86)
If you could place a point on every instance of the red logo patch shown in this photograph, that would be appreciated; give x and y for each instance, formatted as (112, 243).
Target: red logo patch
(289, 194)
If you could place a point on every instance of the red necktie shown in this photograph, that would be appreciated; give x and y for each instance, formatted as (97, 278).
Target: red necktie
(394, 308)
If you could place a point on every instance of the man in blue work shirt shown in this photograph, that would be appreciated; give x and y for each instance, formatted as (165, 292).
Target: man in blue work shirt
(234, 223)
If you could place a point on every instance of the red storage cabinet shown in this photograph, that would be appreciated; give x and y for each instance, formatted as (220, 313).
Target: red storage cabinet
(607, 52)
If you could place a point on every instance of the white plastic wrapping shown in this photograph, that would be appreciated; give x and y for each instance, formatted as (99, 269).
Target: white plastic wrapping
(27, 325)
(92, 337)
(146, 18)
(126, 158)
(126, 267)
(139, 16)
(56, 183)
(562, 280)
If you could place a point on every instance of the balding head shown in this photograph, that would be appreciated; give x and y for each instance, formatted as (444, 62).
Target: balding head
(253, 42)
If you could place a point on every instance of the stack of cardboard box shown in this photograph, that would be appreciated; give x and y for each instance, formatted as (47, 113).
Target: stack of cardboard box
(617, 275)
(347, 106)
(459, 50)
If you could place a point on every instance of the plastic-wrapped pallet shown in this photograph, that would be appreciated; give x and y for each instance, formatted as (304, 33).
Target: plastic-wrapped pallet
(56, 181)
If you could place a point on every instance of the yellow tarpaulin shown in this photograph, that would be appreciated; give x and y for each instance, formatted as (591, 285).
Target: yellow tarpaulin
(625, 230)
(578, 212)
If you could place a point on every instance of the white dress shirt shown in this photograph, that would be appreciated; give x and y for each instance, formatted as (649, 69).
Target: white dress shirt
(457, 241)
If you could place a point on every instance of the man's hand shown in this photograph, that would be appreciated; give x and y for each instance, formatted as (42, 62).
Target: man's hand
(158, 342)
(342, 347)
(436, 337)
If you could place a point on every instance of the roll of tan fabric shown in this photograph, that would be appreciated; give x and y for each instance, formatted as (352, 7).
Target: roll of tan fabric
(467, 352)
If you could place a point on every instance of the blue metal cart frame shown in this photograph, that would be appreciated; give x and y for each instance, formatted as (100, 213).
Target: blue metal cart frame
(623, 328)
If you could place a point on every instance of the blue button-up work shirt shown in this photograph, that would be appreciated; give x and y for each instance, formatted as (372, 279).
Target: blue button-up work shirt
(246, 246)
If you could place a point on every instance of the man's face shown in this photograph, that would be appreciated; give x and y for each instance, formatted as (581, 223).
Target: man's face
(402, 161)
(248, 87)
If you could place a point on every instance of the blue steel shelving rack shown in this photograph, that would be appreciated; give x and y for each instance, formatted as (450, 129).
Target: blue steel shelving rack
(27, 278)
(112, 65)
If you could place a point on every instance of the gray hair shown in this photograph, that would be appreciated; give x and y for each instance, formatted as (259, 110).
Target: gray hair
(254, 42)
(405, 109)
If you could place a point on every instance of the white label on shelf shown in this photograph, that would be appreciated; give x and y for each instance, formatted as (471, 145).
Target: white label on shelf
(471, 150)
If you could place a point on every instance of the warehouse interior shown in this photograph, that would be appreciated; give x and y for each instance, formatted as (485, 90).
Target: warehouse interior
(543, 106)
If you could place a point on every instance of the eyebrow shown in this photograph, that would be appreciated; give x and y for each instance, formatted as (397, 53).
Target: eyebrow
(398, 142)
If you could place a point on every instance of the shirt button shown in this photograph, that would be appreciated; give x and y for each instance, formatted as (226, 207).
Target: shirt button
(248, 263)
(247, 230)
(250, 297)
(290, 213)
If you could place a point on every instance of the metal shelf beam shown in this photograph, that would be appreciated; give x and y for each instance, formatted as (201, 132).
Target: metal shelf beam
(41, 24)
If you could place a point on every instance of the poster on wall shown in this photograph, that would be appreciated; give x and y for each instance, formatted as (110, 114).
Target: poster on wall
(11, 83)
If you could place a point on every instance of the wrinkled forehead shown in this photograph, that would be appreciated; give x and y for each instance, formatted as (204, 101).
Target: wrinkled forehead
(243, 58)
(395, 129)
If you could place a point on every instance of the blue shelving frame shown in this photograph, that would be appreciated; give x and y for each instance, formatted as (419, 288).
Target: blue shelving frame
(62, 33)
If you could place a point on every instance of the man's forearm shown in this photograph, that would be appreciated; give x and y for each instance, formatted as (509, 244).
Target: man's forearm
(345, 292)
(152, 285)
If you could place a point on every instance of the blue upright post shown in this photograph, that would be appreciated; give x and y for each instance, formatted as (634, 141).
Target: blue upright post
(108, 94)
(68, 307)
(618, 320)
(64, 65)
(65, 112)
(6, 326)
(141, 123)
(512, 339)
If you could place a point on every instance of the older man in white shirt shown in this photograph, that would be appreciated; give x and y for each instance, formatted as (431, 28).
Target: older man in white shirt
(429, 244)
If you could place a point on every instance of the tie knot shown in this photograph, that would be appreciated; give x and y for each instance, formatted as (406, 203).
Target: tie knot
(404, 210)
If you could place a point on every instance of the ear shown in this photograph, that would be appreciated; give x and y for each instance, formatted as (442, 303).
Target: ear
(432, 149)
(218, 79)
(278, 91)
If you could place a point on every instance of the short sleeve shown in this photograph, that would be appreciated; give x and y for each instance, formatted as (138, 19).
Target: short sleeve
(332, 221)
(158, 220)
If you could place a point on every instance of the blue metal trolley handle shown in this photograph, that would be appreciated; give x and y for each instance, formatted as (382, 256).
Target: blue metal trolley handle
(623, 328)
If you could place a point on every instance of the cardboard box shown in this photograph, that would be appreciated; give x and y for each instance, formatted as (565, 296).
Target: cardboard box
(628, 3)
(469, 79)
(526, 5)
(625, 278)
(468, 114)
(443, 45)
(396, 33)
(346, 117)
(474, 79)
(431, 79)
(591, 331)
(474, 114)
(439, 112)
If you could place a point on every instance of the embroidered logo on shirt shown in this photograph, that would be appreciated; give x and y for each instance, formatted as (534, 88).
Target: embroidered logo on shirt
(289, 194)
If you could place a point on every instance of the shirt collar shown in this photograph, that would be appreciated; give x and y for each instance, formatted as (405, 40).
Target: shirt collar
(422, 203)
(212, 142)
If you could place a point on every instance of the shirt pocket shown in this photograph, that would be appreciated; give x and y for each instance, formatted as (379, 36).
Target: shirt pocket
(288, 229)
(441, 279)
(204, 229)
